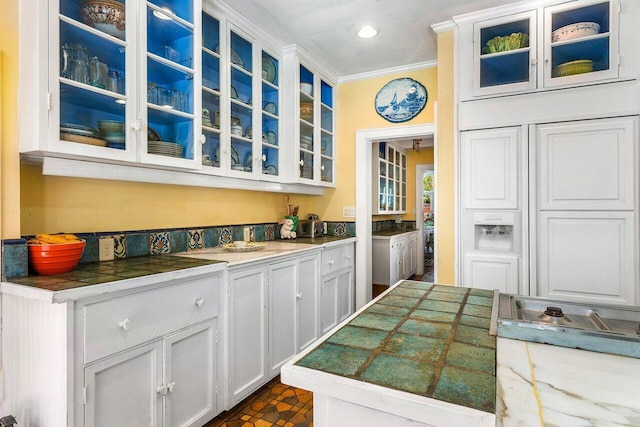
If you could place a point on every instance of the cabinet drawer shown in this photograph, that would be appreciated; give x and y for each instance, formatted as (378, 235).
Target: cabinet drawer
(116, 324)
(335, 259)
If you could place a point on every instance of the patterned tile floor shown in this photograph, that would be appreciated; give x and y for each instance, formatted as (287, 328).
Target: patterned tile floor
(275, 404)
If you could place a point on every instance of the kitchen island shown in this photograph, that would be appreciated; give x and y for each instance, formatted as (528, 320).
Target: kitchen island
(420, 354)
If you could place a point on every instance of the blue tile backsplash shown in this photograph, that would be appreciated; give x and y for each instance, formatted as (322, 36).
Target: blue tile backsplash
(154, 242)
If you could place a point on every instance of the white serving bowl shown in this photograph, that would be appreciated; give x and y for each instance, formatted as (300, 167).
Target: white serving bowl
(574, 31)
(306, 88)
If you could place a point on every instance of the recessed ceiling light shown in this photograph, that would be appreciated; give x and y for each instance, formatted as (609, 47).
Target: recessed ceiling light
(367, 32)
(164, 13)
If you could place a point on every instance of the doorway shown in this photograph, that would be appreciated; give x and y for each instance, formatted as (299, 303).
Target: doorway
(364, 142)
(425, 220)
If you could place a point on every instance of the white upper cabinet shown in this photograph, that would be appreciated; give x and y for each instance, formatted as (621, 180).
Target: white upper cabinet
(389, 179)
(531, 48)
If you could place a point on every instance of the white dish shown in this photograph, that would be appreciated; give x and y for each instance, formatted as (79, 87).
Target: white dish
(575, 31)
(251, 246)
(234, 93)
(236, 59)
(306, 88)
(269, 69)
(270, 108)
(272, 138)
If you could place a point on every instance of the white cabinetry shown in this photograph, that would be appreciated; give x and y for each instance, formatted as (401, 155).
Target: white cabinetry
(144, 356)
(389, 179)
(266, 320)
(337, 286)
(394, 257)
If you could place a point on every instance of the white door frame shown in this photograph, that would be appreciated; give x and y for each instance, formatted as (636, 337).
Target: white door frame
(364, 140)
(420, 170)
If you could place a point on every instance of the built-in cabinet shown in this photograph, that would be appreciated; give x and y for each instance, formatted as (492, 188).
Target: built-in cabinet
(394, 257)
(389, 179)
(563, 44)
(337, 287)
(183, 85)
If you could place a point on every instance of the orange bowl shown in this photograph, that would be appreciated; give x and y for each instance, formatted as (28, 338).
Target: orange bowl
(55, 259)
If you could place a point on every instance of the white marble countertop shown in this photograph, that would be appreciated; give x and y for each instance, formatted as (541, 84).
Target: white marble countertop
(546, 385)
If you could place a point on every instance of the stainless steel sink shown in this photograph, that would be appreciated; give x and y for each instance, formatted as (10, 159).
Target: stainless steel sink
(601, 328)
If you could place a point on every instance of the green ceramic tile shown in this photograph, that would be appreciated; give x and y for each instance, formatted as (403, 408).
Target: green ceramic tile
(335, 359)
(390, 310)
(472, 357)
(481, 293)
(416, 285)
(445, 296)
(376, 321)
(417, 347)
(438, 316)
(428, 329)
(399, 301)
(401, 374)
(358, 337)
(477, 300)
(448, 307)
(407, 292)
(477, 310)
(478, 322)
(468, 388)
(475, 336)
(452, 289)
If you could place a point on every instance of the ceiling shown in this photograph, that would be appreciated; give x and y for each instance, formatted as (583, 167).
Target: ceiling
(326, 28)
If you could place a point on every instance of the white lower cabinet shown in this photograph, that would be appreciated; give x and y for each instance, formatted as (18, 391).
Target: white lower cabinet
(271, 316)
(492, 272)
(394, 257)
(337, 287)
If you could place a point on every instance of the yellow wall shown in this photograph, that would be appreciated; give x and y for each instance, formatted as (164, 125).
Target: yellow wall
(424, 156)
(445, 170)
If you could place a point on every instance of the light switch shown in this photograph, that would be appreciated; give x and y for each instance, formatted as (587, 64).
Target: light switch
(349, 211)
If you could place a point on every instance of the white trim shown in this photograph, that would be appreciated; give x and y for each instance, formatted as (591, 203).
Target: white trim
(508, 9)
(364, 138)
(420, 170)
(441, 27)
(387, 71)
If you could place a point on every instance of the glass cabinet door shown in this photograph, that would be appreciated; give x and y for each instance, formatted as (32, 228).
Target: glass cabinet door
(170, 37)
(327, 164)
(211, 92)
(95, 56)
(505, 54)
(581, 43)
(307, 127)
(241, 93)
(270, 84)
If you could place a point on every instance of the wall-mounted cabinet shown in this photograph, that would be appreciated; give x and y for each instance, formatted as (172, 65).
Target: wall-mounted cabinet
(389, 179)
(540, 48)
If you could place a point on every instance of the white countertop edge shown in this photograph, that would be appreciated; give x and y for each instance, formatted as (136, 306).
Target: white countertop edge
(375, 237)
(341, 242)
(403, 404)
(108, 287)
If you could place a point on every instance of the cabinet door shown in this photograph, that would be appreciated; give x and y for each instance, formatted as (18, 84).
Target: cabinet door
(490, 168)
(501, 67)
(123, 390)
(282, 314)
(492, 272)
(271, 156)
(190, 375)
(328, 299)
(345, 294)
(212, 80)
(588, 256)
(247, 333)
(587, 165)
(307, 301)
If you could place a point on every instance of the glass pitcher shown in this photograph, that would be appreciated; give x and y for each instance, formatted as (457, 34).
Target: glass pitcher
(75, 62)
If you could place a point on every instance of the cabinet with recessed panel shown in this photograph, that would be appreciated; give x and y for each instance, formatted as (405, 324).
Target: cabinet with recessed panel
(389, 179)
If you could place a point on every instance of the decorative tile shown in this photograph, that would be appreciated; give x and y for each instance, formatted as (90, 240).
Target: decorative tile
(15, 259)
(159, 243)
(351, 229)
(196, 239)
(340, 229)
(259, 234)
(137, 245)
(225, 235)
(211, 237)
(179, 241)
(358, 337)
(269, 232)
(252, 233)
(410, 375)
(457, 386)
(237, 232)
(336, 359)
(119, 246)
(91, 251)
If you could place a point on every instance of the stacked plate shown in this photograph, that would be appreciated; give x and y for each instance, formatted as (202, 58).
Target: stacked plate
(80, 133)
(306, 142)
(113, 133)
(165, 148)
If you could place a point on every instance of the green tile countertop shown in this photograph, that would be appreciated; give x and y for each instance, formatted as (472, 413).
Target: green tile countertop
(139, 269)
(426, 339)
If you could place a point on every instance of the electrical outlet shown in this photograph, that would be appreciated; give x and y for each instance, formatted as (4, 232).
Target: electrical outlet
(106, 247)
(348, 212)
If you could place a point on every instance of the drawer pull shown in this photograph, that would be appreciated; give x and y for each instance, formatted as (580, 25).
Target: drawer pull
(162, 390)
(299, 296)
(171, 387)
(125, 324)
(200, 302)
(331, 262)
(348, 256)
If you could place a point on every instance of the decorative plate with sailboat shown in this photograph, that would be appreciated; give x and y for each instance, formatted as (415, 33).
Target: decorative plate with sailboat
(400, 100)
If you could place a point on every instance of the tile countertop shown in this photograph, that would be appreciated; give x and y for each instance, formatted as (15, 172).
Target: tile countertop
(419, 347)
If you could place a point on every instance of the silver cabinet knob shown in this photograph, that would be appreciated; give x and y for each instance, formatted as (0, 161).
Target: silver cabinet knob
(299, 296)
(171, 387)
(301, 162)
(200, 302)
(125, 324)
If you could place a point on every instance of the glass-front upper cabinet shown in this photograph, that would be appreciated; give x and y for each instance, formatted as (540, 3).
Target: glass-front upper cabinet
(505, 54)
(581, 43)
(270, 117)
(389, 180)
(211, 92)
(91, 104)
(169, 133)
(241, 94)
(327, 163)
